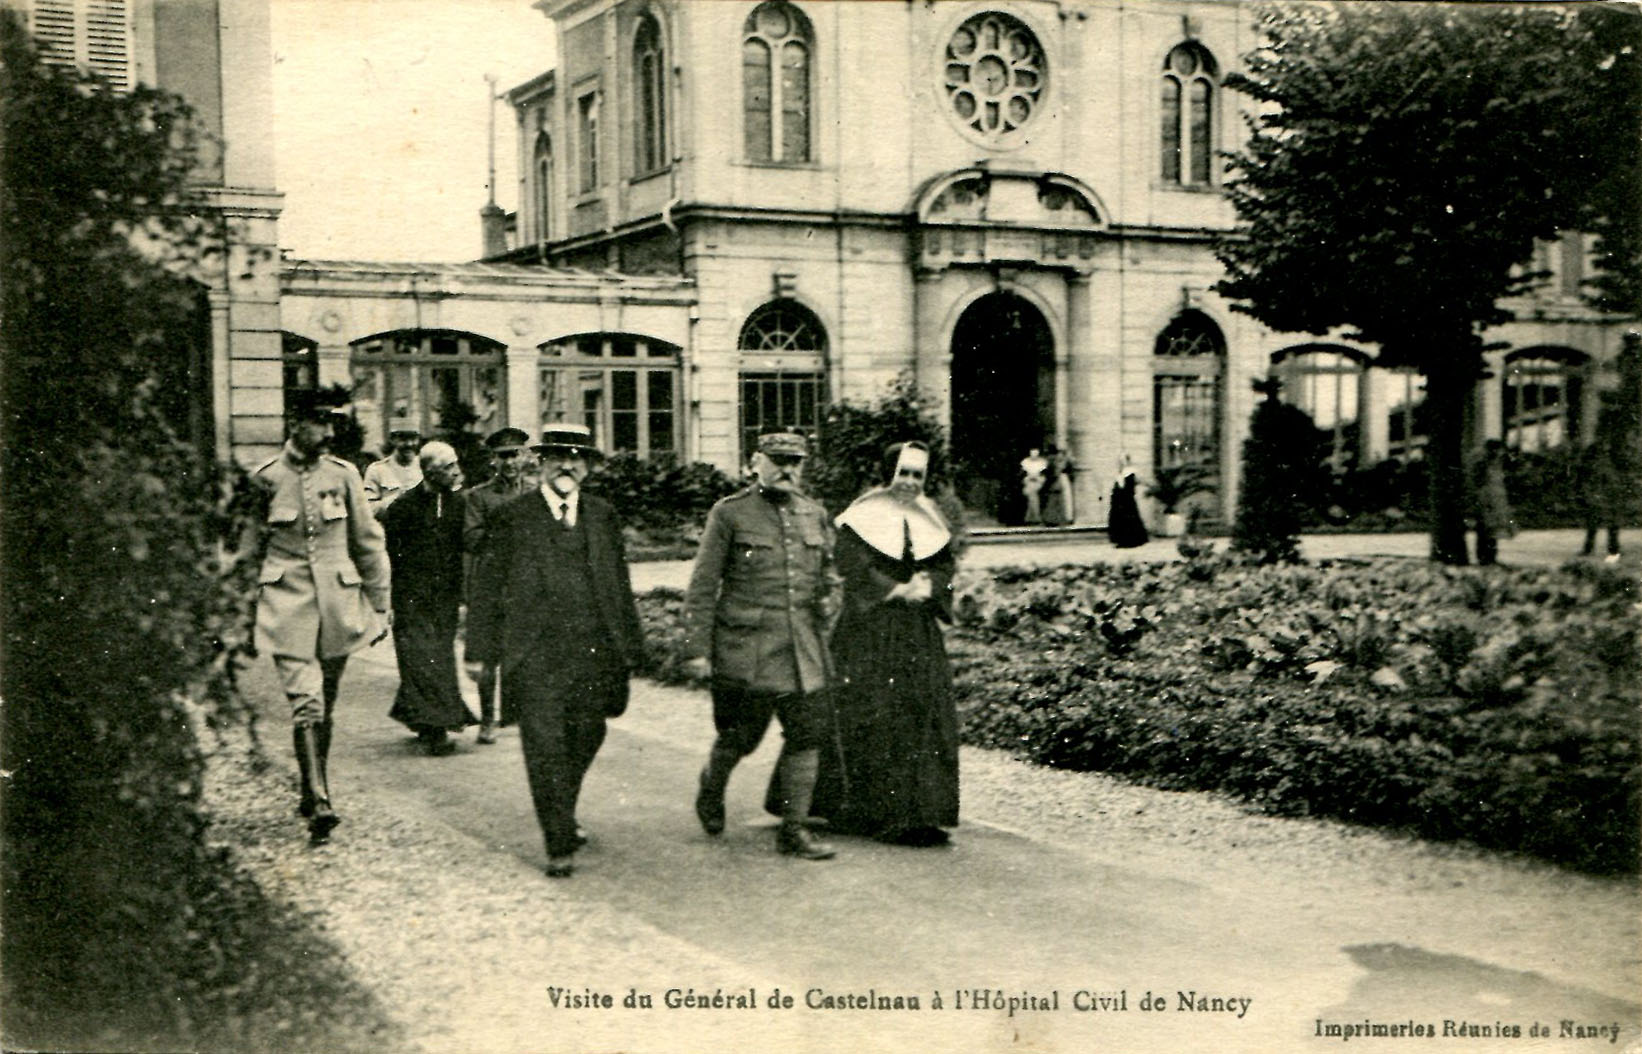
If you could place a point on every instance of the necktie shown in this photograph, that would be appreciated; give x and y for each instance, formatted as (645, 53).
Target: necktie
(564, 513)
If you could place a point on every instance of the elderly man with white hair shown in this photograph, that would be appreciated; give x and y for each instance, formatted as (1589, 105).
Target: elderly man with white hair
(424, 534)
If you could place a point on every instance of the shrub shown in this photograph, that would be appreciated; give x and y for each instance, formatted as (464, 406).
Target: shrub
(658, 493)
(1279, 469)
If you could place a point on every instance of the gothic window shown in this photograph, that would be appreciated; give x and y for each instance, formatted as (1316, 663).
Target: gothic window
(587, 142)
(429, 380)
(1188, 363)
(995, 74)
(1542, 399)
(542, 167)
(783, 371)
(1327, 383)
(650, 97)
(1187, 114)
(624, 387)
(776, 49)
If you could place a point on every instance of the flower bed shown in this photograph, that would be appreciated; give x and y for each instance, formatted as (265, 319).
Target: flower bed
(1495, 705)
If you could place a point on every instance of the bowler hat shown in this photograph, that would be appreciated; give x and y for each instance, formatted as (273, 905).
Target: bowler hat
(507, 437)
(565, 435)
(777, 443)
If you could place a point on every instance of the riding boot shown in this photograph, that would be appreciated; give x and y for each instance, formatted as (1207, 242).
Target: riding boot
(305, 804)
(487, 706)
(714, 778)
(324, 818)
(798, 772)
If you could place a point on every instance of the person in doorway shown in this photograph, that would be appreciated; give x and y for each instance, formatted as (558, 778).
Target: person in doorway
(1124, 526)
(424, 534)
(896, 775)
(391, 477)
(553, 609)
(1034, 468)
(512, 477)
(761, 593)
(1057, 504)
(323, 589)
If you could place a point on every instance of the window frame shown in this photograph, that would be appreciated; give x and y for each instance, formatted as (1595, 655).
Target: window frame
(566, 366)
(390, 355)
(1184, 152)
(650, 124)
(777, 102)
(587, 106)
(1188, 370)
(1518, 373)
(1303, 381)
(541, 165)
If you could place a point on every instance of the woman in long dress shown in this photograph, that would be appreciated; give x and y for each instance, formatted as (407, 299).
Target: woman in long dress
(896, 776)
(1123, 523)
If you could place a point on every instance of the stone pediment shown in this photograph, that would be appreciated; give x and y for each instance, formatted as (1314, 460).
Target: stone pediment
(985, 215)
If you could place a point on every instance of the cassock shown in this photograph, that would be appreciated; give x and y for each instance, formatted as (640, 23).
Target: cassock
(424, 536)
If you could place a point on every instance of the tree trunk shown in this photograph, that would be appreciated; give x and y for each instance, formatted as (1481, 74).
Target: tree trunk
(1447, 393)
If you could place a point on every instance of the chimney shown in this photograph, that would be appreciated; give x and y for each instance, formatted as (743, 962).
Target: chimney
(493, 228)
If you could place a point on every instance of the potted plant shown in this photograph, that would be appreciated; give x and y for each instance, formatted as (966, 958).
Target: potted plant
(1171, 487)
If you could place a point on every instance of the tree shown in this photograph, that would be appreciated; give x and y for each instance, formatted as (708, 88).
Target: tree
(1402, 162)
(1277, 471)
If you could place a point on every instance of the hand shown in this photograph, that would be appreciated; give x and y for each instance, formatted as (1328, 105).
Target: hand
(920, 588)
(387, 626)
(699, 667)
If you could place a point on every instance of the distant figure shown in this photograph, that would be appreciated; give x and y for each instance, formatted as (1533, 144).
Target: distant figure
(388, 479)
(896, 777)
(1123, 523)
(514, 476)
(424, 533)
(1493, 508)
(1057, 504)
(1034, 468)
(1601, 499)
(1611, 465)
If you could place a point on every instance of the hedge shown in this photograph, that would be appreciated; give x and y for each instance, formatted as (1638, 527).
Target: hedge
(1494, 705)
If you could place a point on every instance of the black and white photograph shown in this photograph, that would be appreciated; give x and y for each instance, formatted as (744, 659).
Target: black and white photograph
(977, 526)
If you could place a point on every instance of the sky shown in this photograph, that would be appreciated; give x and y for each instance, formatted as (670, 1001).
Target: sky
(380, 121)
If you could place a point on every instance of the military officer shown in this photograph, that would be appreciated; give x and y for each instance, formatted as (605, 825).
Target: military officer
(323, 588)
(513, 477)
(760, 596)
(392, 476)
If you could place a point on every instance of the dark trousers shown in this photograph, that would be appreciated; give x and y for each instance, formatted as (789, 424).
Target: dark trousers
(560, 708)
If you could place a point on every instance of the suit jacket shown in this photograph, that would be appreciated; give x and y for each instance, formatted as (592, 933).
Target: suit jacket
(324, 565)
(522, 599)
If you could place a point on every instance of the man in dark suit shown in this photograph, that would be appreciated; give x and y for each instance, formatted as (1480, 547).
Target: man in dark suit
(553, 606)
(515, 474)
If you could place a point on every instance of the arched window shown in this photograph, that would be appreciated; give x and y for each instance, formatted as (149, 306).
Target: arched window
(1326, 382)
(1187, 114)
(429, 380)
(542, 167)
(776, 47)
(1542, 400)
(1188, 362)
(623, 386)
(783, 371)
(649, 97)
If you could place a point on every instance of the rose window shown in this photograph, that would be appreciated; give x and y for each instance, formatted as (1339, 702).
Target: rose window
(994, 74)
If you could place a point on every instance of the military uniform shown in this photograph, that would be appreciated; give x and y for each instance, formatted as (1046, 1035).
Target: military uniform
(761, 594)
(386, 480)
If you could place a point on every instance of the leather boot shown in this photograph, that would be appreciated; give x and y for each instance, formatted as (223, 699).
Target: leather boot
(710, 795)
(324, 819)
(798, 771)
(305, 804)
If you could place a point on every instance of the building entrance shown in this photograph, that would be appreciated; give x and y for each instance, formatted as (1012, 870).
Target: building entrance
(1003, 401)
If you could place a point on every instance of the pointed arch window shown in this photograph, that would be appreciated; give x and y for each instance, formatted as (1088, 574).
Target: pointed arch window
(1190, 80)
(776, 49)
(542, 169)
(649, 97)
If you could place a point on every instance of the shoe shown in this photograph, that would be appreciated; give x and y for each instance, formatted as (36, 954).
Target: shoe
(1611, 558)
(709, 808)
(560, 867)
(440, 745)
(322, 823)
(487, 733)
(796, 840)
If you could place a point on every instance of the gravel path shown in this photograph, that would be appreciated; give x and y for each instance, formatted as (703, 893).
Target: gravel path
(462, 941)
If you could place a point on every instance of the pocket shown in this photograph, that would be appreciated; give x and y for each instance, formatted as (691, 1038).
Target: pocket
(270, 574)
(332, 507)
(280, 515)
(348, 576)
(755, 547)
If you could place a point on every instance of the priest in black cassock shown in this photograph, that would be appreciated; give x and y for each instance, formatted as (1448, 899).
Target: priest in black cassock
(896, 774)
(424, 535)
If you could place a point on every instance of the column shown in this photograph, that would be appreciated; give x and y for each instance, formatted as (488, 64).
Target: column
(1103, 435)
(932, 357)
(1072, 384)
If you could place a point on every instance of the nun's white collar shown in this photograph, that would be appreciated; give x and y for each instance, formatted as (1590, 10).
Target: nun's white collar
(885, 524)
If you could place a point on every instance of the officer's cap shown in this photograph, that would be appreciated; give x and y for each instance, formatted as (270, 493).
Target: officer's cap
(507, 437)
(312, 404)
(777, 443)
(404, 432)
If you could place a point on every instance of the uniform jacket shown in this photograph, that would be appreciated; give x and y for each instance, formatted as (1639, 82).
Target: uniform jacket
(387, 480)
(482, 503)
(324, 566)
(424, 536)
(762, 593)
(521, 599)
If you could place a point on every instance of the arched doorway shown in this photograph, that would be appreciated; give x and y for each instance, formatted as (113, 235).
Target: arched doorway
(1003, 400)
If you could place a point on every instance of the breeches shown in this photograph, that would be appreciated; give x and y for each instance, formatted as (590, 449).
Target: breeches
(741, 715)
(310, 686)
(560, 709)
